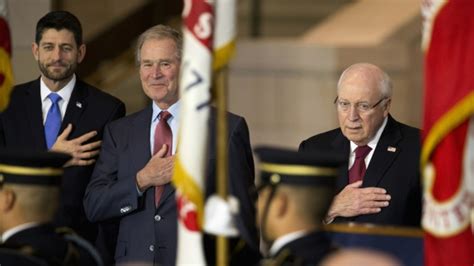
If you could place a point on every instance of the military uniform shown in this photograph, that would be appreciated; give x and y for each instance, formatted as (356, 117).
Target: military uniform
(33, 243)
(15, 257)
(289, 168)
(45, 243)
(307, 250)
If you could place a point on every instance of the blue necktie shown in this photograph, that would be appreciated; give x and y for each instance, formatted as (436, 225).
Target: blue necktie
(53, 120)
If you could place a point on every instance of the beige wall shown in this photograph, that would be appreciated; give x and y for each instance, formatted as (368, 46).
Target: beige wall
(285, 89)
(22, 16)
(95, 16)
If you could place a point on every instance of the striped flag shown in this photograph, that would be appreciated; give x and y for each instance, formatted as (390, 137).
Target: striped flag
(225, 33)
(6, 72)
(447, 158)
(195, 83)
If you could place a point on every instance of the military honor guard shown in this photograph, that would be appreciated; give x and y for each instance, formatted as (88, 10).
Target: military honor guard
(29, 197)
(295, 192)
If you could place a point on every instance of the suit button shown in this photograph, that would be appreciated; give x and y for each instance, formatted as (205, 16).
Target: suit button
(151, 248)
(157, 218)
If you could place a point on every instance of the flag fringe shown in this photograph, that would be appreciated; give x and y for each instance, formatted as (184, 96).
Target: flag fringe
(458, 114)
(185, 183)
(223, 55)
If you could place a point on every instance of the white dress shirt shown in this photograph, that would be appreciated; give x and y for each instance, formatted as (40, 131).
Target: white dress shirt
(172, 122)
(280, 242)
(65, 94)
(372, 144)
(12, 231)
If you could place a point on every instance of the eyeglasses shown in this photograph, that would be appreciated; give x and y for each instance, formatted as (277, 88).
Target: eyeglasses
(362, 107)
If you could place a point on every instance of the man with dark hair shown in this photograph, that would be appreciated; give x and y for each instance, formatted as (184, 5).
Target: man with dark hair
(29, 195)
(59, 20)
(381, 184)
(59, 112)
(295, 192)
(134, 164)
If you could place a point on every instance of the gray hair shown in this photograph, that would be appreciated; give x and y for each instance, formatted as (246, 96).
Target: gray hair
(160, 32)
(384, 80)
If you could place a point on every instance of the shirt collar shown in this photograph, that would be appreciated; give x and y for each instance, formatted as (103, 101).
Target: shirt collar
(173, 110)
(12, 231)
(65, 92)
(373, 142)
(280, 242)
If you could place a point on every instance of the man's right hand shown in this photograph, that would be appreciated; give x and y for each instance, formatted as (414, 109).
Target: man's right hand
(82, 154)
(353, 201)
(158, 171)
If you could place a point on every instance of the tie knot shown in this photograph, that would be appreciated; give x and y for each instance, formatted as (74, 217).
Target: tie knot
(164, 115)
(362, 151)
(54, 97)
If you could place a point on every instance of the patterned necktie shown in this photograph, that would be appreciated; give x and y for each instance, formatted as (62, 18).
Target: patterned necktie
(163, 135)
(357, 170)
(53, 120)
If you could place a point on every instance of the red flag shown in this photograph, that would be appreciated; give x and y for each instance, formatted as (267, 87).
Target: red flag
(448, 139)
(6, 73)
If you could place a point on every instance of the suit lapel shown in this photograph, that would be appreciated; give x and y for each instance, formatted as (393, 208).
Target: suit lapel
(140, 150)
(34, 112)
(385, 153)
(76, 106)
(341, 143)
(140, 139)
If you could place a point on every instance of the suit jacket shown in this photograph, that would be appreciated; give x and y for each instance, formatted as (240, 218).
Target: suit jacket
(394, 166)
(43, 243)
(309, 249)
(146, 233)
(21, 126)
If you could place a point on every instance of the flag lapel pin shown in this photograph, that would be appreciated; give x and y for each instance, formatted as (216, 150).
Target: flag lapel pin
(391, 149)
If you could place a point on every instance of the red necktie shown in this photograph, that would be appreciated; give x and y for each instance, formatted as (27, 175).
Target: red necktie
(163, 135)
(357, 170)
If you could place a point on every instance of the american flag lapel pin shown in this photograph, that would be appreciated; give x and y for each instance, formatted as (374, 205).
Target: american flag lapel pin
(391, 149)
(79, 105)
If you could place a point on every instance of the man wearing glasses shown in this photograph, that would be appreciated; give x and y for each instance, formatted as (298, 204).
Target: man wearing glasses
(382, 181)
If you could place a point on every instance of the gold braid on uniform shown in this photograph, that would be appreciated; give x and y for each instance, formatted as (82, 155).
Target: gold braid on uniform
(29, 251)
(26, 250)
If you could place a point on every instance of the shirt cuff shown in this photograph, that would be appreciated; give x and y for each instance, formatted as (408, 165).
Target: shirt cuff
(138, 191)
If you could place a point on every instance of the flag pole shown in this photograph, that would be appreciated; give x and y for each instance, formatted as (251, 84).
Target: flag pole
(222, 247)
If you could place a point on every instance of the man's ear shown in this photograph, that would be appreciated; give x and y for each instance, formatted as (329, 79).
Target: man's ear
(34, 50)
(7, 200)
(81, 52)
(281, 200)
(387, 106)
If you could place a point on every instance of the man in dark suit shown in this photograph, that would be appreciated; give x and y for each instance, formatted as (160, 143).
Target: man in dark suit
(29, 195)
(382, 184)
(127, 173)
(295, 192)
(80, 113)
